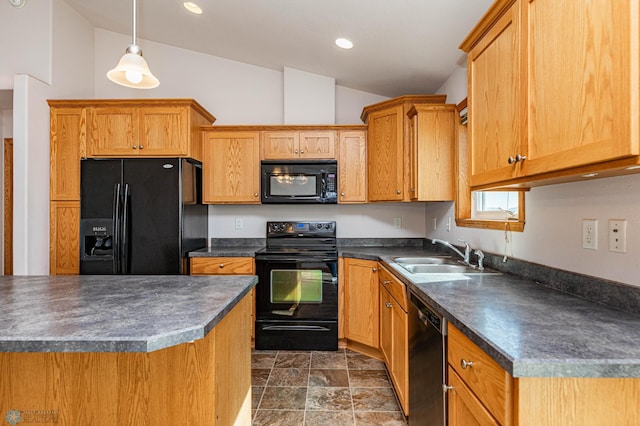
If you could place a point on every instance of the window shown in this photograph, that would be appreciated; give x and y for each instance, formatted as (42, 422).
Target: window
(494, 205)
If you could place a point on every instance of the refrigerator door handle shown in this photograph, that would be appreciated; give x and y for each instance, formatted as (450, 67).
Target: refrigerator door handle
(116, 229)
(125, 230)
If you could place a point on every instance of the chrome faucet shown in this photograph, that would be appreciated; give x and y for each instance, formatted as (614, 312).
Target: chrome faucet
(466, 256)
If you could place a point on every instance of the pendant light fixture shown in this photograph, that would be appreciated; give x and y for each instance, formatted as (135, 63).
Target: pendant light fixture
(132, 70)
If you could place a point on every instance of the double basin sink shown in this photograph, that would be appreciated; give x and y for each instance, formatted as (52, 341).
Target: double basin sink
(438, 265)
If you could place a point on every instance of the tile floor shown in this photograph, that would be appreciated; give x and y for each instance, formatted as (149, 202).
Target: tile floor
(321, 388)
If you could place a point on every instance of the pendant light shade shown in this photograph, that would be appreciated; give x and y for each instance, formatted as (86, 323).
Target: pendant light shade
(132, 70)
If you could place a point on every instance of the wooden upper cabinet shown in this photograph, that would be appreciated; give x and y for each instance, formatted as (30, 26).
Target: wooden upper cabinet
(113, 131)
(432, 152)
(163, 131)
(153, 128)
(583, 83)
(495, 101)
(67, 143)
(388, 146)
(553, 91)
(289, 144)
(352, 167)
(231, 167)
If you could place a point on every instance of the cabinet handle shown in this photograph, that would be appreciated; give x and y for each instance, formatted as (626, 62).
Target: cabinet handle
(387, 304)
(302, 151)
(135, 147)
(296, 151)
(373, 269)
(464, 363)
(398, 192)
(446, 388)
(140, 146)
(221, 265)
(342, 194)
(517, 159)
(386, 282)
(255, 194)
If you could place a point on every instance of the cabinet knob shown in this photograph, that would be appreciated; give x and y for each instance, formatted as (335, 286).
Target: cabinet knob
(386, 282)
(412, 190)
(255, 194)
(373, 269)
(140, 146)
(135, 147)
(302, 151)
(464, 363)
(342, 194)
(387, 304)
(398, 192)
(222, 265)
(446, 388)
(295, 152)
(516, 159)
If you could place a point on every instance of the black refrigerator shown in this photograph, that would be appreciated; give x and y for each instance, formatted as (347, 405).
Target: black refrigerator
(140, 216)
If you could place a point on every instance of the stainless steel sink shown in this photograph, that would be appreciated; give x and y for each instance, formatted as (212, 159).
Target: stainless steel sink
(438, 265)
(431, 260)
(438, 269)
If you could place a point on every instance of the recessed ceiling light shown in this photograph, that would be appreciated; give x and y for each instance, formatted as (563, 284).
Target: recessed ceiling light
(192, 7)
(344, 43)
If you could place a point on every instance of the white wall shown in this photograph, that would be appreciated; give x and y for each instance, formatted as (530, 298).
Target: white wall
(308, 98)
(350, 102)
(26, 39)
(552, 234)
(353, 221)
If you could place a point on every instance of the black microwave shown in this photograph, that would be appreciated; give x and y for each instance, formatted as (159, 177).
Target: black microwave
(299, 181)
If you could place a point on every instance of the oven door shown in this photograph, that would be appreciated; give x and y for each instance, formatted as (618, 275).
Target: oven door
(297, 302)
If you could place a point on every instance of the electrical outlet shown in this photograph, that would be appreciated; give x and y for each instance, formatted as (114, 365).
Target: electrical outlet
(435, 223)
(397, 222)
(449, 224)
(590, 234)
(239, 223)
(618, 235)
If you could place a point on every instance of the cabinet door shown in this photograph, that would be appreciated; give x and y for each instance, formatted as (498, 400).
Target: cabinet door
(361, 299)
(400, 353)
(163, 131)
(280, 145)
(318, 145)
(464, 409)
(496, 90)
(68, 133)
(583, 87)
(386, 326)
(385, 155)
(231, 168)
(352, 167)
(113, 132)
(64, 239)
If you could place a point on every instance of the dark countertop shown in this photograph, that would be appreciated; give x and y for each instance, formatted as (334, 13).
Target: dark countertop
(83, 313)
(531, 330)
(224, 251)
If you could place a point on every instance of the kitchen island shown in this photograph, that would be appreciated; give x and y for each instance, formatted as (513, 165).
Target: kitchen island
(105, 350)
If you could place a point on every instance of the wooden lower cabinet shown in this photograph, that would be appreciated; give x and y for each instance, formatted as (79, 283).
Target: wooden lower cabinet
(64, 238)
(361, 302)
(227, 266)
(394, 335)
(483, 393)
(204, 382)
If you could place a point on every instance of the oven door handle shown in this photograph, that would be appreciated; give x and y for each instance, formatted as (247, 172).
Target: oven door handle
(279, 258)
(295, 328)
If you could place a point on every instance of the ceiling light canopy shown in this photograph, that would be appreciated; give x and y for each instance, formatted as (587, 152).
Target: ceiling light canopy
(132, 70)
(192, 7)
(344, 43)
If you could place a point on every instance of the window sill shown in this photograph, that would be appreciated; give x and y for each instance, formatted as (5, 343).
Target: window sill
(512, 225)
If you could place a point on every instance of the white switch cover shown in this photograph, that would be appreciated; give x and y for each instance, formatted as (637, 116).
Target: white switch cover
(397, 222)
(239, 223)
(618, 235)
(590, 234)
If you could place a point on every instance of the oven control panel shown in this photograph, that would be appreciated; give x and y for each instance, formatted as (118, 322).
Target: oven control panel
(319, 228)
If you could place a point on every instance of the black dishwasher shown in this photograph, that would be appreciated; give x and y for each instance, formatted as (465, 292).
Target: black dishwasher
(427, 365)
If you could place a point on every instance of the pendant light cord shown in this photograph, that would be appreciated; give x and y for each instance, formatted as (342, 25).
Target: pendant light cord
(134, 22)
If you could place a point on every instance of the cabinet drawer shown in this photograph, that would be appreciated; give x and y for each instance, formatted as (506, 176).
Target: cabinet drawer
(222, 266)
(396, 287)
(486, 379)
